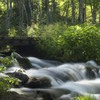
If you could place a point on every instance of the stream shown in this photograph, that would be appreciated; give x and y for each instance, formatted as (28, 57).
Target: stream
(55, 80)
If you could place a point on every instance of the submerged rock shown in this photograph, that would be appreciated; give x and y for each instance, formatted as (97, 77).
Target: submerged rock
(38, 82)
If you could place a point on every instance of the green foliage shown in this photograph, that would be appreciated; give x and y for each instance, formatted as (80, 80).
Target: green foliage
(70, 43)
(12, 32)
(6, 61)
(15, 16)
(82, 42)
(85, 98)
(51, 40)
(4, 85)
(2, 8)
(2, 69)
(6, 82)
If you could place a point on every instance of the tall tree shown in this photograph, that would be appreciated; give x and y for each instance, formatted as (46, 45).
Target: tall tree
(53, 6)
(8, 13)
(94, 8)
(73, 11)
(84, 10)
(81, 11)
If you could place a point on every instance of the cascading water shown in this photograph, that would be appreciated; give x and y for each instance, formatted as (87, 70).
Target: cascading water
(60, 81)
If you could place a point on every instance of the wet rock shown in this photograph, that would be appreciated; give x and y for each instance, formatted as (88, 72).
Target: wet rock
(90, 74)
(71, 96)
(46, 96)
(91, 70)
(22, 61)
(38, 82)
(16, 96)
(91, 65)
(23, 77)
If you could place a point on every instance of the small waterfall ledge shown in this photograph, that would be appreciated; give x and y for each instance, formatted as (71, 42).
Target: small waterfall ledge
(51, 80)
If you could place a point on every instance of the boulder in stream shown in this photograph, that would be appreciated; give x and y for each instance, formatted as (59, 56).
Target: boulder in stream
(38, 82)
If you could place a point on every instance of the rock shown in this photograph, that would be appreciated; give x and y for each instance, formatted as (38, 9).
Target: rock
(91, 65)
(22, 61)
(23, 77)
(38, 82)
(46, 96)
(70, 96)
(92, 70)
(16, 96)
(90, 74)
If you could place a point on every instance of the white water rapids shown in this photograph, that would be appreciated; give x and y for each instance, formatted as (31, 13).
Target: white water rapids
(67, 80)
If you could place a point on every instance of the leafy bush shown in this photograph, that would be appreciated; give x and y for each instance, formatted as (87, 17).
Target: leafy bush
(69, 43)
(51, 40)
(82, 43)
(6, 61)
(6, 82)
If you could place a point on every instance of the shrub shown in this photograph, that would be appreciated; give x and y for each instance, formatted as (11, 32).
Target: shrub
(50, 40)
(82, 43)
(6, 82)
(69, 43)
(6, 61)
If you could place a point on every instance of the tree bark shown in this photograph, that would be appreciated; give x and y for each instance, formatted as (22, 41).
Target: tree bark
(7, 16)
(81, 13)
(73, 11)
(67, 12)
(99, 17)
(84, 11)
(94, 15)
(53, 6)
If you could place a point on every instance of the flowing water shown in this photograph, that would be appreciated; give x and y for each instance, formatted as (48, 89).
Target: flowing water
(66, 80)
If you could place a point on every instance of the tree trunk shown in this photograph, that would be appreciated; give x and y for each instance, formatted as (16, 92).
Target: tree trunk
(94, 7)
(67, 12)
(84, 11)
(53, 6)
(73, 11)
(7, 16)
(94, 10)
(81, 13)
(99, 17)
(31, 9)
(48, 16)
(94, 15)
(21, 14)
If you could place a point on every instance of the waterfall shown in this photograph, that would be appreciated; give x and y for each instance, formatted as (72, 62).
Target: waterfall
(62, 81)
